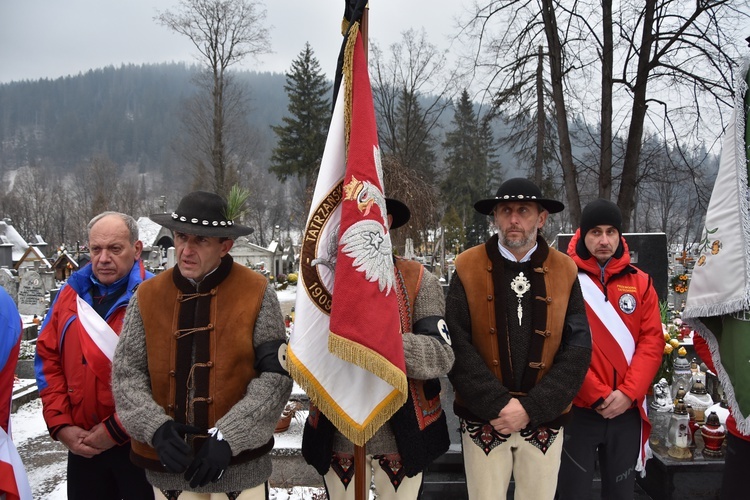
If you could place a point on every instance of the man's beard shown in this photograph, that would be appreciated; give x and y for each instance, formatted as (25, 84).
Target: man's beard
(527, 240)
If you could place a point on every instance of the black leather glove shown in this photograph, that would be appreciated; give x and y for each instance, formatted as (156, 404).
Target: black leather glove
(210, 461)
(169, 442)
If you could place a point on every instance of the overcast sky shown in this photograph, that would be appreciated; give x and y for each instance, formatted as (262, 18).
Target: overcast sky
(53, 38)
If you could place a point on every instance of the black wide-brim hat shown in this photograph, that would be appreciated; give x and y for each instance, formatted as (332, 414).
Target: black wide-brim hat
(203, 214)
(518, 189)
(399, 211)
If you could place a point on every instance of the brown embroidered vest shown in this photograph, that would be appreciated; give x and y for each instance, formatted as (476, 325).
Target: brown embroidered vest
(199, 345)
(480, 269)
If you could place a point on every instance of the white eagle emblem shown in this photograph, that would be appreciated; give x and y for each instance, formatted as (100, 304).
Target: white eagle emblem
(366, 241)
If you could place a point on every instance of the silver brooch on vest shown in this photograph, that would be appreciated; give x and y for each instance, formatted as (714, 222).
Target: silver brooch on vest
(520, 285)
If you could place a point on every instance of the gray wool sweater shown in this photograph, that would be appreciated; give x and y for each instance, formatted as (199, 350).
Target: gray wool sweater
(248, 424)
(426, 358)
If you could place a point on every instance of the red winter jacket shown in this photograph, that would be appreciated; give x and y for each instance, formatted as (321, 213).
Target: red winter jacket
(627, 289)
(70, 391)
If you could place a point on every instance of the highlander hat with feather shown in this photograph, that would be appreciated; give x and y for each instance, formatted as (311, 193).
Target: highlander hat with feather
(204, 214)
(518, 189)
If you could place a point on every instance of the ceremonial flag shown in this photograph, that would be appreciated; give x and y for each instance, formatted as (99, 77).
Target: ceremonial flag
(346, 349)
(718, 302)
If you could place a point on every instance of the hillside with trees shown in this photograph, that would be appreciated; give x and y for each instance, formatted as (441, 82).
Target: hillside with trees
(114, 138)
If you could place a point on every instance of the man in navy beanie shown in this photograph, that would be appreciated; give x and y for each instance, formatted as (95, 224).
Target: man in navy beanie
(609, 418)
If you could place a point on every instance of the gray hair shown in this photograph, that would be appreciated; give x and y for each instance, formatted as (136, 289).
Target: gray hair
(130, 222)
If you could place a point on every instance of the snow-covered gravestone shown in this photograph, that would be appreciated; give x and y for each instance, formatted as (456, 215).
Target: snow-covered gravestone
(48, 279)
(8, 281)
(32, 297)
(171, 258)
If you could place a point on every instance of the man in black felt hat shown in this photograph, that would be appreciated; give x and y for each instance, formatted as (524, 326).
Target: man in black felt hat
(418, 433)
(522, 346)
(609, 419)
(199, 375)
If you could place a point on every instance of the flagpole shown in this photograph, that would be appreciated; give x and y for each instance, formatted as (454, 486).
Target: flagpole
(360, 490)
(364, 29)
(360, 458)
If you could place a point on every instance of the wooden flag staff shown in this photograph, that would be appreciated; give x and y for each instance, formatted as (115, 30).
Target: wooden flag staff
(360, 492)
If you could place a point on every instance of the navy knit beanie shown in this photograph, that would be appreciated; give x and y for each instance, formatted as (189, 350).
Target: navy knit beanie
(600, 213)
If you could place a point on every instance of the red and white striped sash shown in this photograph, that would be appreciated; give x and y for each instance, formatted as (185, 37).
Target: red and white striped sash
(100, 341)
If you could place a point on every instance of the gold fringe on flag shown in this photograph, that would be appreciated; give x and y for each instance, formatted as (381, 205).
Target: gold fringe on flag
(358, 434)
(349, 81)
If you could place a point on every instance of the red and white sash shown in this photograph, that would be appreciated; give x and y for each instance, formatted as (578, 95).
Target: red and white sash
(99, 343)
(607, 314)
(13, 481)
(617, 344)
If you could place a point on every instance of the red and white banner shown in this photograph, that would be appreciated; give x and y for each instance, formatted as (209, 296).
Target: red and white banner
(718, 301)
(346, 349)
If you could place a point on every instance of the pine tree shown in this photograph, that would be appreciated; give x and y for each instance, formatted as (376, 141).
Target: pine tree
(472, 167)
(414, 146)
(303, 133)
(455, 235)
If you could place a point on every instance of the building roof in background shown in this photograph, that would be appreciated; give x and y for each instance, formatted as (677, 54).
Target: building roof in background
(12, 236)
(31, 255)
(148, 231)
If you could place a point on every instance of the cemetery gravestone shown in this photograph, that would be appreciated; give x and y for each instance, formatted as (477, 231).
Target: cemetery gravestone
(171, 257)
(8, 281)
(48, 279)
(32, 297)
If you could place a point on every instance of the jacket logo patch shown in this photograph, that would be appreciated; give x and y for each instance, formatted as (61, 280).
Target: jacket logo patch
(627, 303)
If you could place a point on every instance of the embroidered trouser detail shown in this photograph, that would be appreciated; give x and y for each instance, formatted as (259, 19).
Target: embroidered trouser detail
(259, 492)
(393, 468)
(534, 470)
(384, 472)
(343, 465)
(541, 437)
(483, 435)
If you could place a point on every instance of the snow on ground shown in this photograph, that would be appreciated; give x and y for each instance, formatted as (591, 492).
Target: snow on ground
(289, 295)
(27, 422)
(43, 458)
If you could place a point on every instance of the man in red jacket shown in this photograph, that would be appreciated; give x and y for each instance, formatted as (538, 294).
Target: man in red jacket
(74, 363)
(609, 415)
